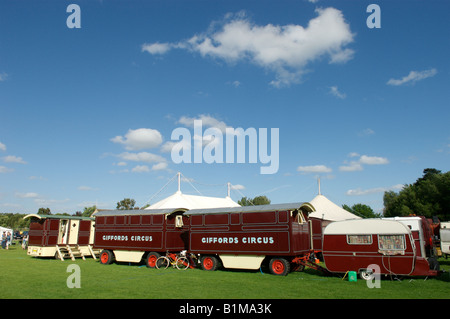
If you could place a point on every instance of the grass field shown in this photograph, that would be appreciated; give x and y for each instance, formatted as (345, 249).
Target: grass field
(26, 277)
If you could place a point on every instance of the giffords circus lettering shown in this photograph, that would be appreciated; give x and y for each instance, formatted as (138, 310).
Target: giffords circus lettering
(235, 240)
(126, 238)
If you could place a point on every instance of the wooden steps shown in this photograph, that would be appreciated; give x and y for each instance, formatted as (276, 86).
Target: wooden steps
(74, 251)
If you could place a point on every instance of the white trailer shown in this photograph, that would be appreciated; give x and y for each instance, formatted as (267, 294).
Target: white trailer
(445, 238)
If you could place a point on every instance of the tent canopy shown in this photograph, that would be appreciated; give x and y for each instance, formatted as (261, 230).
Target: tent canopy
(180, 200)
(327, 210)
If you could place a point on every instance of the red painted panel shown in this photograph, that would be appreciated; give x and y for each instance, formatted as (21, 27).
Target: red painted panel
(283, 217)
(52, 232)
(216, 219)
(259, 218)
(235, 219)
(158, 219)
(84, 232)
(120, 219)
(134, 220)
(146, 219)
(36, 232)
(197, 220)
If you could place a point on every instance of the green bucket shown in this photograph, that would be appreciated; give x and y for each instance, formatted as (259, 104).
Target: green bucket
(352, 276)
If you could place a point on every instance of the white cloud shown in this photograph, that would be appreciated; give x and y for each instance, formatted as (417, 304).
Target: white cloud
(4, 169)
(3, 76)
(207, 121)
(354, 166)
(334, 91)
(141, 157)
(156, 48)
(413, 77)
(2, 147)
(159, 166)
(373, 160)
(138, 139)
(236, 83)
(286, 50)
(351, 167)
(86, 188)
(314, 169)
(360, 192)
(141, 169)
(237, 186)
(13, 159)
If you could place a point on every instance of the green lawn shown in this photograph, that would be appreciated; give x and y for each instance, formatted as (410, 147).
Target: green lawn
(22, 276)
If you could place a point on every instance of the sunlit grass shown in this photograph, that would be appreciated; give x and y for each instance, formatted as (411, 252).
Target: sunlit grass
(22, 276)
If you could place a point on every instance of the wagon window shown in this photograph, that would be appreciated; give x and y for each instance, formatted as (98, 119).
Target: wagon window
(179, 221)
(391, 242)
(359, 239)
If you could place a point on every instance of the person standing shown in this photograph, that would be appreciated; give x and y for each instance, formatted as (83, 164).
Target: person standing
(4, 240)
(8, 240)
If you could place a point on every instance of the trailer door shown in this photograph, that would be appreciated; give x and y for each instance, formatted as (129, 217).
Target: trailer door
(51, 231)
(316, 234)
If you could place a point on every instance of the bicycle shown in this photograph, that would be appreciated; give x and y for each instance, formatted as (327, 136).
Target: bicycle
(178, 261)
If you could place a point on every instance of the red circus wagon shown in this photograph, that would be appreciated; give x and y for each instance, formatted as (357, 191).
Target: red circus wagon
(60, 236)
(133, 235)
(247, 237)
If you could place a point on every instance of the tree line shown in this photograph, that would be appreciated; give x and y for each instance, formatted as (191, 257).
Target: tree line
(429, 196)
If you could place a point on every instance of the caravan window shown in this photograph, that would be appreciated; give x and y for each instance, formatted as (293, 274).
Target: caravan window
(359, 239)
(391, 242)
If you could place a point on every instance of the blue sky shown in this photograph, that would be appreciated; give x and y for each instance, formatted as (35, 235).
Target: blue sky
(86, 114)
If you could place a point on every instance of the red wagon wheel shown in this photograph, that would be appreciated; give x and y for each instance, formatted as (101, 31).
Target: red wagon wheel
(209, 263)
(279, 266)
(106, 257)
(151, 259)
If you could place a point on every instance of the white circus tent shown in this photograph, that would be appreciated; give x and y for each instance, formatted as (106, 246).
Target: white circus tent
(180, 200)
(325, 209)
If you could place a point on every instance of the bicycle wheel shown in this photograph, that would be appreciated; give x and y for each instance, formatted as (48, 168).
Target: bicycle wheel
(162, 262)
(182, 263)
